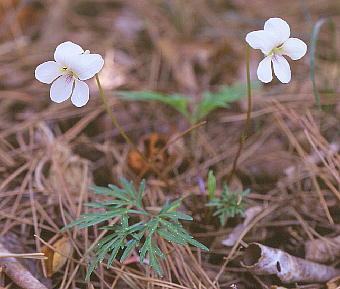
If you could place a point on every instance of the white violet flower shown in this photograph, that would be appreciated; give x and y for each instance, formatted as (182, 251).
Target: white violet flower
(72, 65)
(274, 42)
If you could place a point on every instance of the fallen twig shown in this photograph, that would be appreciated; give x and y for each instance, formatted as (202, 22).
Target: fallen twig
(18, 273)
(25, 255)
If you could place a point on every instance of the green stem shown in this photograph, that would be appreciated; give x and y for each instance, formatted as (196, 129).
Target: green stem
(244, 134)
(111, 115)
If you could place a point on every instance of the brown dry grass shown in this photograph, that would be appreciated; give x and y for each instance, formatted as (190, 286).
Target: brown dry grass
(50, 153)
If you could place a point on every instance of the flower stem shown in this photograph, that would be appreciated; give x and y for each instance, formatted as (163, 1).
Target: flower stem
(244, 134)
(111, 115)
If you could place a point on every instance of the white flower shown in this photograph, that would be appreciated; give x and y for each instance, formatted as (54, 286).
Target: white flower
(72, 65)
(274, 42)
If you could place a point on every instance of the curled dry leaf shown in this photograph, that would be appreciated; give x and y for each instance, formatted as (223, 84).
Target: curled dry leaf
(153, 147)
(55, 260)
(323, 250)
(265, 260)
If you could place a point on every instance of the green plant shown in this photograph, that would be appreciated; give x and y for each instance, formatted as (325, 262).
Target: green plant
(211, 185)
(128, 235)
(209, 101)
(228, 204)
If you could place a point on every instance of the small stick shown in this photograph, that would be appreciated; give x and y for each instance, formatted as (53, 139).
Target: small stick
(26, 256)
(112, 117)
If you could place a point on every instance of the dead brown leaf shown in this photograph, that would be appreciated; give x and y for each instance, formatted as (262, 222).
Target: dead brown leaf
(55, 260)
(151, 147)
(160, 150)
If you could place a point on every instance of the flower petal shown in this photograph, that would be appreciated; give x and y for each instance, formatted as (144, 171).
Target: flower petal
(264, 70)
(86, 65)
(80, 95)
(61, 89)
(48, 71)
(279, 29)
(261, 39)
(281, 68)
(294, 48)
(64, 52)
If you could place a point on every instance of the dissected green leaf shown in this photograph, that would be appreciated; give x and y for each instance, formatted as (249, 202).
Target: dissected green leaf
(171, 237)
(144, 249)
(209, 102)
(197, 244)
(158, 251)
(101, 190)
(91, 268)
(229, 204)
(176, 215)
(128, 188)
(141, 191)
(128, 248)
(153, 262)
(177, 101)
(219, 99)
(127, 234)
(113, 255)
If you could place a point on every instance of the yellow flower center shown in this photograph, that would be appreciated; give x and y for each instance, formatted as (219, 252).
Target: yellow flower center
(69, 72)
(276, 51)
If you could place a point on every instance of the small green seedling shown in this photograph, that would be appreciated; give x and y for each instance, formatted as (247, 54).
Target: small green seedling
(211, 185)
(228, 204)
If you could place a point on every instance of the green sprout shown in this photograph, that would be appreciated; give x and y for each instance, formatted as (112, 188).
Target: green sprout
(211, 185)
(229, 204)
(128, 235)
